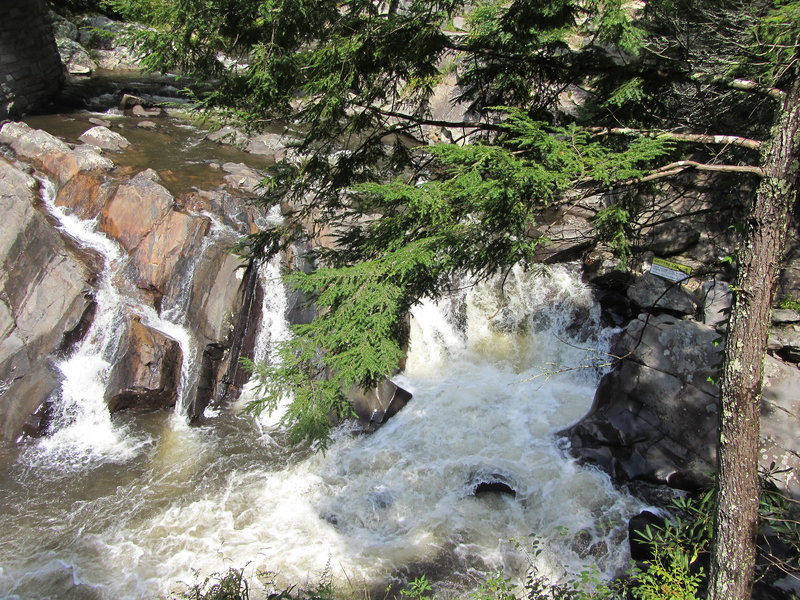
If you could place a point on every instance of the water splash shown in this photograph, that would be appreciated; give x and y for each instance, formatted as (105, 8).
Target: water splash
(375, 507)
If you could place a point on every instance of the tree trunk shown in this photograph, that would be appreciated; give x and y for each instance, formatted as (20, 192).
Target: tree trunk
(736, 516)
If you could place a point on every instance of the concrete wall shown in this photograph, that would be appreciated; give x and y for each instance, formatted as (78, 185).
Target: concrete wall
(30, 67)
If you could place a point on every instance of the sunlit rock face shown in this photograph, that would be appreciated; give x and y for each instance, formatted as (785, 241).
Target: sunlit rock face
(43, 297)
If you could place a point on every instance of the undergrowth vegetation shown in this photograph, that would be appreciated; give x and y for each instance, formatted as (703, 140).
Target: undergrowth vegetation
(676, 568)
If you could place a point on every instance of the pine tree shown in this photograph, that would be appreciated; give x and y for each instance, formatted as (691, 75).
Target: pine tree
(671, 87)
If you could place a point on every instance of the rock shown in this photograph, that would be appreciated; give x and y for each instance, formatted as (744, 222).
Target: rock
(99, 122)
(146, 125)
(141, 111)
(104, 138)
(228, 135)
(242, 177)
(216, 294)
(162, 257)
(266, 144)
(376, 406)
(136, 209)
(148, 373)
(716, 302)
(75, 57)
(99, 32)
(781, 316)
(653, 292)
(44, 296)
(63, 28)
(568, 237)
(53, 154)
(785, 342)
(669, 239)
(654, 417)
(486, 480)
(780, 422)
(129, 101)
(459, 23)
(85, 194)
(603, 269)
(637, 427)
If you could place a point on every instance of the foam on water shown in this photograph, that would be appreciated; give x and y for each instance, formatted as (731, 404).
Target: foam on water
(490, 373)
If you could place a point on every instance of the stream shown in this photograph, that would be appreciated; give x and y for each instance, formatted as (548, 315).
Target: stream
(139, 505)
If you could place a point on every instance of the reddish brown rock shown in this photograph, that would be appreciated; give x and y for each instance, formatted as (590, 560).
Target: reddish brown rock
(85, 194)
(54, 155)
(159, 257)
(148, 374)
(135, 209)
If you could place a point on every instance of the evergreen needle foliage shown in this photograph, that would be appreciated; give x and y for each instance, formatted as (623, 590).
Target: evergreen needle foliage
(355, 81)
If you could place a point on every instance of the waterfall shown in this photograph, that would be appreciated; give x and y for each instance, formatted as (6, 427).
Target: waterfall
(82, 428)
(495, 370)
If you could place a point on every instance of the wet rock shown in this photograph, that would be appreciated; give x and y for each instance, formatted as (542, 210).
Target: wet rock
(146, 125)
(43, 296)
(487, 480)
(376, 406)
(135, 209)
(104, 138)
(653, 292)
(141, 111)
(637, 427)
(215, 294)
(148, 373)
(85, 194)
(243, 178)
(228, 135)
(129, 101)
(163, 254)
(654, 416)
(99, 122)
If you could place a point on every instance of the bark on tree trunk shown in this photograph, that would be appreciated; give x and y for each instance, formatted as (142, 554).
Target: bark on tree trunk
(733, 551)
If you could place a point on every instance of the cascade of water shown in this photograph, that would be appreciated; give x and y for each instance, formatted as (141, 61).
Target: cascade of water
(82, 426)
(273, 329)
(400, 501)
(81, 421)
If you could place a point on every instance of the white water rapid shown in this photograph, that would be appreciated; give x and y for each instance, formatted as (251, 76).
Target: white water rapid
(495, 373)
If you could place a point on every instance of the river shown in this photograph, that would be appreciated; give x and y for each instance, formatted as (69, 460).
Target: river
(139, 505)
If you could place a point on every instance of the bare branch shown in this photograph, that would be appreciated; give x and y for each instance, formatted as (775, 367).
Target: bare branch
(696, 138)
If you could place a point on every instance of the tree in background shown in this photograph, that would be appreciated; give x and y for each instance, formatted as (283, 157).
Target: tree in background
(672, 87)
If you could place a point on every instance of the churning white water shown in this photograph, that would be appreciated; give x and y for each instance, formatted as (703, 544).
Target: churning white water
(495, 372)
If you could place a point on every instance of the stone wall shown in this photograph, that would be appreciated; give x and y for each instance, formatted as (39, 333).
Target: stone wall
(30, 67)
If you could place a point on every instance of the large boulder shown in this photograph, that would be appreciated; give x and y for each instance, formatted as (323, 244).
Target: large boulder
(655, 418)
(165, 254)
(44, 297)
(135, 210)
(651, 291)
(104, 138)
(147, 375)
